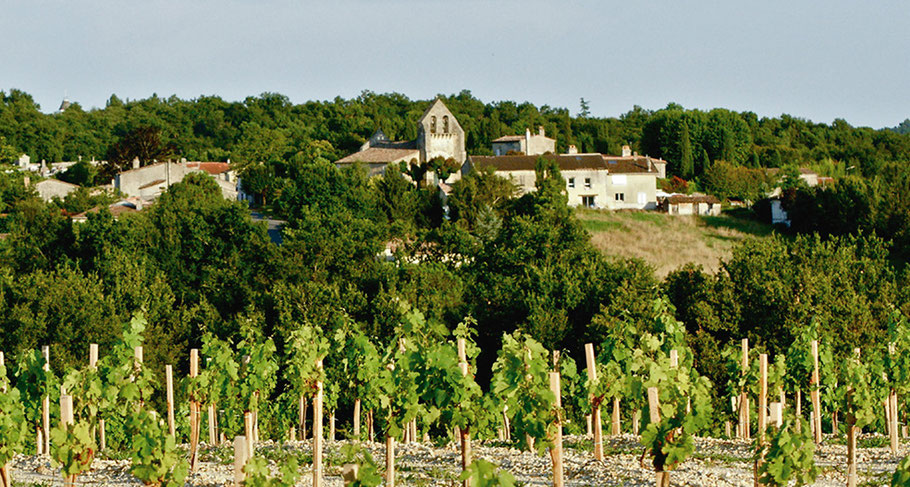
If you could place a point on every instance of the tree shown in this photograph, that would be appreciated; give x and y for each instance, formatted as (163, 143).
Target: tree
(144, 143)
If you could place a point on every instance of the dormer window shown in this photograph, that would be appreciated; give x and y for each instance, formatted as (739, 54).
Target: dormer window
(445, 124)
(433, 124)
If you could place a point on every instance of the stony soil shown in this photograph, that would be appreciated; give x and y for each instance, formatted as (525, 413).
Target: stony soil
(715, 463)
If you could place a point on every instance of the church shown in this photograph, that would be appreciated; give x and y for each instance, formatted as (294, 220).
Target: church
(438, 135)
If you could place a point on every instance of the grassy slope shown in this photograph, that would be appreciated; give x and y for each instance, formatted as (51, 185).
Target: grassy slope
(668, 242)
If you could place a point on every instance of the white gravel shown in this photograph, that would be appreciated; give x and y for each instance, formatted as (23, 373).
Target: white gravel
(715, 463)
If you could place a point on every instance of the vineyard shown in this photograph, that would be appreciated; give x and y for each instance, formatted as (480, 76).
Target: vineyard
(341, 409)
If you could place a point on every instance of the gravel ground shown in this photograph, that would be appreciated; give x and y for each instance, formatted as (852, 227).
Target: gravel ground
(715, 463)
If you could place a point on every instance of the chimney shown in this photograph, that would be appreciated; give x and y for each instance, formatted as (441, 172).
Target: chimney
(527, 141)
(626, 151)
(540, 131)
(135, 163)
(572, 149)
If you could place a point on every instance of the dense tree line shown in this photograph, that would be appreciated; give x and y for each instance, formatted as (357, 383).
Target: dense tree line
(270, 129)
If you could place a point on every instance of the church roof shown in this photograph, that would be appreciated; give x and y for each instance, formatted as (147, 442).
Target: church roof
(375, 155)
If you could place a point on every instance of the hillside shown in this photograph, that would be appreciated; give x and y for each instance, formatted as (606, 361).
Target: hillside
(668, 242)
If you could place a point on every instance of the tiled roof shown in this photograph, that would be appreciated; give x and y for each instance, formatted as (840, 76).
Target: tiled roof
(379, 155)
(566, 162)
(510, 138)
(676, 199)
(213, 168)
(153, 183)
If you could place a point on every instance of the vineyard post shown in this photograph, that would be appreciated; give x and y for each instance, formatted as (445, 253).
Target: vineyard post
(194, 412)
(371, 431)
(169, 378)
(816, 402)
(66, 418)
(389, 460)
(357, 419)
(301, 417)
(241, 455)
(46, 407)
(662, 478)
(892, 408)
(851, 433)
(93, 355)
(248, 433)
(595, 413)
(332, 426)
(799, 409)
(762, 396)
(556, 451)
(614, 418)
(317, 430)
(777, 417)
(465, 433)
(744, 396)
(213, 421)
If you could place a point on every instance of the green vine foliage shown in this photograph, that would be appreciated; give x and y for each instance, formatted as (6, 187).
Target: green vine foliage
(448, 395)
(155, 457)
(613, 366)
(258, 475)
(482, 473)
(862, 390)
(901, 476)
(73, 447)
(521, 384)
(12, 419)
(897, 361)
(398, 387)
(684, 395)
(258, 371)
(361, 365)
(367, 472)
(34, 383)
(788, 456)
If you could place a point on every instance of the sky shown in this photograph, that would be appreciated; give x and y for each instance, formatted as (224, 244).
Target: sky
(818, 60)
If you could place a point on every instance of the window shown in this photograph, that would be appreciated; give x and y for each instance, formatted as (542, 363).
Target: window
(620, 197)
(588, 201)
(433, 124)
(587, 183)
(571, 182)
(445, 124)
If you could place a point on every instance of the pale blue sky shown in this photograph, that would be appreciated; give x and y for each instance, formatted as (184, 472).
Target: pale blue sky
(813, 59)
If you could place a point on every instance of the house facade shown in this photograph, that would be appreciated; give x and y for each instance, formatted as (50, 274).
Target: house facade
(527, 144)
(148, 182)
(592, 180)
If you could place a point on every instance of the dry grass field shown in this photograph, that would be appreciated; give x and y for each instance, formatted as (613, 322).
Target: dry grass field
(668, 242)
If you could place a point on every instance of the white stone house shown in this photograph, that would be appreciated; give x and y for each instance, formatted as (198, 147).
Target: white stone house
(148, 182)
(592, 180)
(49, 189)
(527, 144)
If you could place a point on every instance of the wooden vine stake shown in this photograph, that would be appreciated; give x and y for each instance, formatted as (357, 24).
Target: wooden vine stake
(357, 419)
(595, 412)
(389, 460)
(248, 433)
(45, 447)
(169, 378)
(66, 418)
(892, 410)
(851, 435)
(241, 456)
(816, 401)
(744, 396)
(464, 433)
(194, 414)
(556, 451)
(762, 396)
(662, 478)
(317, 431)
(5, 480)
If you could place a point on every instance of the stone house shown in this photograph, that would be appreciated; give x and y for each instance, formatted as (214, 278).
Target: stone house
(592, 180)
(695, 204)
(527, 144)
(148, 182)
(438, 135)
(49, 189)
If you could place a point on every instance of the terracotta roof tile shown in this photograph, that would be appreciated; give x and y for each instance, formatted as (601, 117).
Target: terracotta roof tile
(567, 162)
